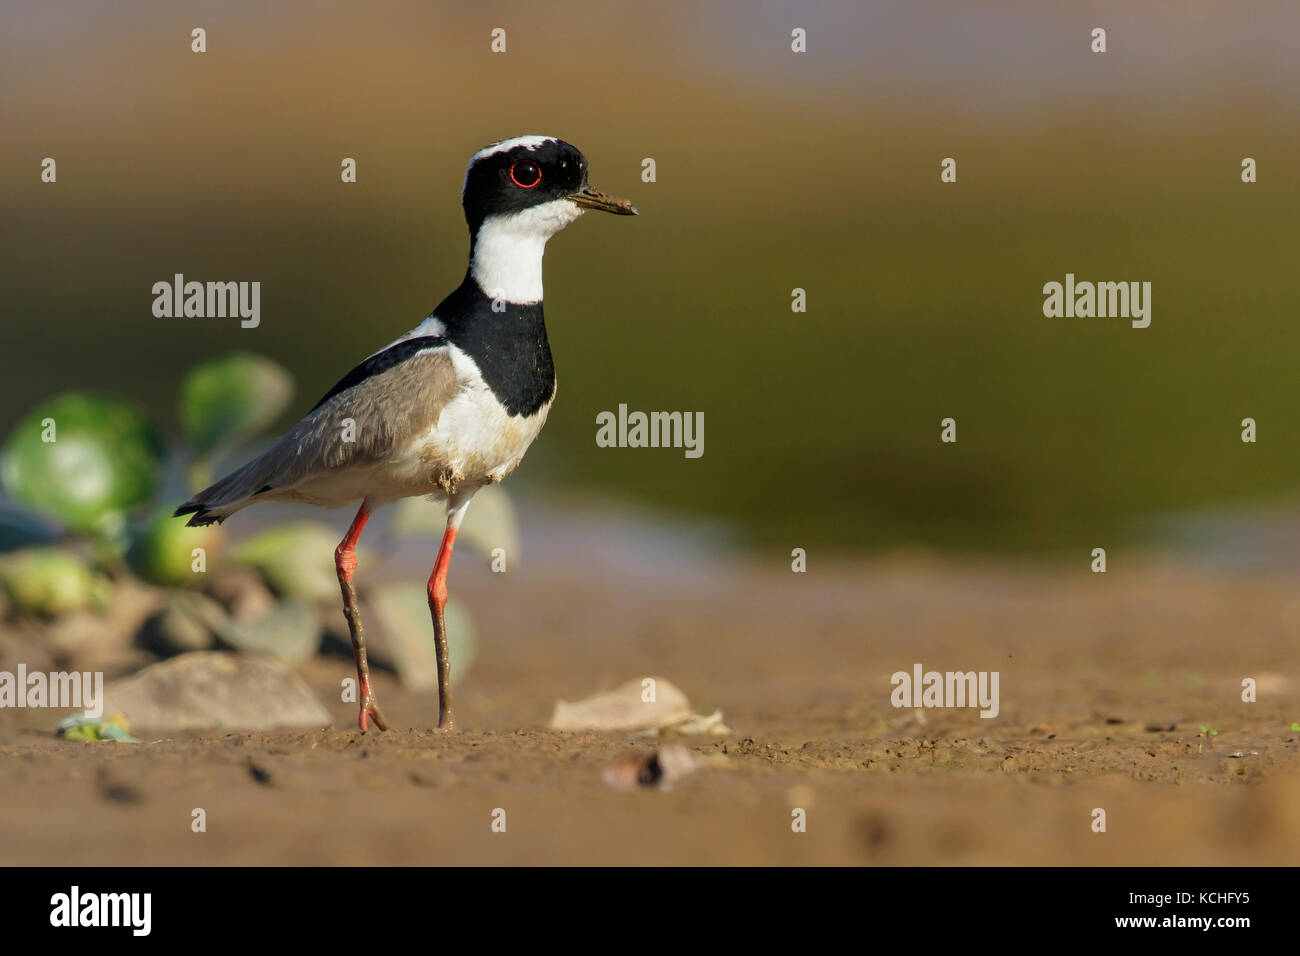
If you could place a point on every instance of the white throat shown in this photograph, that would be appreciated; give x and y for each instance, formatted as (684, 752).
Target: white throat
(506, 260)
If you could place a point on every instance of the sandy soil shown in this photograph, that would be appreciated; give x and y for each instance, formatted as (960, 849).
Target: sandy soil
(1105, 682)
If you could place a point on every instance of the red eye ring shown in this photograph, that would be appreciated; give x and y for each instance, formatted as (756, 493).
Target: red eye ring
(515, 179)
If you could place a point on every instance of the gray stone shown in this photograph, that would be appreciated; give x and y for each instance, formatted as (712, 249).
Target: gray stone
(289, 631)
(208, 690)
(187, 622)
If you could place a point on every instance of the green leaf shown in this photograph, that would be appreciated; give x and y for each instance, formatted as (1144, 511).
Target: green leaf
(94, 729)
(51, 582)
(162, 550)
(83, 459)
(230, 399)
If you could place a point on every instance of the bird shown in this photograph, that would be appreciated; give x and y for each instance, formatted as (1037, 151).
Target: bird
(447, 408)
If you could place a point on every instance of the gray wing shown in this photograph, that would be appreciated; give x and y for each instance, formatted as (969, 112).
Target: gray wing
(377, 409)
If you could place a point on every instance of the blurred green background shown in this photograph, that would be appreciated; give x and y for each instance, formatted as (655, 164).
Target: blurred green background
(775, 171)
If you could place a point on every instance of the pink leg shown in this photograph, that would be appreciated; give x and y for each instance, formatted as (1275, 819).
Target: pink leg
(345, 561)
(438, 601)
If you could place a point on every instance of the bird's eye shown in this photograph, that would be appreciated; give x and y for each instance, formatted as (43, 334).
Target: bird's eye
(526, 174)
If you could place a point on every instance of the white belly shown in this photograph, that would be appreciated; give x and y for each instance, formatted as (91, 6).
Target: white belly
(474, 442)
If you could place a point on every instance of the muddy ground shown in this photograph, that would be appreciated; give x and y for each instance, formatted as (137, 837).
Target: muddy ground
(1105, 683)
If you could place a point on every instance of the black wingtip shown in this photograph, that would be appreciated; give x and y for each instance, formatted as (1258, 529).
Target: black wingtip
(201, 517)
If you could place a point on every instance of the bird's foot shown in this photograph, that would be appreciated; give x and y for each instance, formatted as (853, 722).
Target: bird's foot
(447, 724)
(370, 708)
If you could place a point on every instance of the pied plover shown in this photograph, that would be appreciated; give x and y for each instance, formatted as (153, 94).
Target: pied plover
(450, 406)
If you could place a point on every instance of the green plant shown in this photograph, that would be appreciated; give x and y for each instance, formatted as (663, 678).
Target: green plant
(84, 461)
(88, 473)
(227, 401)
(1205, 732)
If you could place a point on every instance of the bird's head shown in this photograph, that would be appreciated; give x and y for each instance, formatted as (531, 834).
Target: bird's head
(535, 184)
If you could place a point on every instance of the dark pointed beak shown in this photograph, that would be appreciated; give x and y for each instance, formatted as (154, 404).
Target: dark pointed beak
(589, 198)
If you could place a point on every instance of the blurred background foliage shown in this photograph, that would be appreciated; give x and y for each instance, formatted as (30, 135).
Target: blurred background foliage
(89, 528)
(775, 171)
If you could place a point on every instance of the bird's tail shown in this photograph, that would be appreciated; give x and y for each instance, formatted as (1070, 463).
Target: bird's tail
(218, 502)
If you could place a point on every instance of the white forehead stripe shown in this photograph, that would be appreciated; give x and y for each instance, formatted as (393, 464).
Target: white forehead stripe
(529, 142)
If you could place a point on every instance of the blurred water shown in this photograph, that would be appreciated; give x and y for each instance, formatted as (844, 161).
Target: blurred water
(775, 171)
